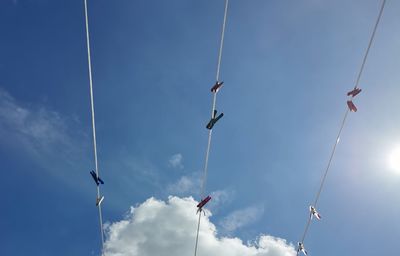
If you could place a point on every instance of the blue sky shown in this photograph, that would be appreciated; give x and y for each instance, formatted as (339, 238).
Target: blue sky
(286, 65)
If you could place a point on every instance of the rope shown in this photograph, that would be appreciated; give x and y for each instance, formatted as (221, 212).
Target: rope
(222, 40)
(370, 43)
(197, 234)
(330, 158)
(214, 103)
(204, 181)
(343, 121)
(93, 120)
(205, 170)
(326, 172)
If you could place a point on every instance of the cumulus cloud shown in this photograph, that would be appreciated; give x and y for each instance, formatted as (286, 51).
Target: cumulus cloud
(169, 228)
(176, 161)
(242, 217)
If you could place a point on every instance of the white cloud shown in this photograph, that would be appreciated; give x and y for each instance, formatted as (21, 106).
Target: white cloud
(190, 186)
(222, 196)
(242, 217)
(41, 125)
(41, 133)
(186, 185)
(169, 228)
(176, 161)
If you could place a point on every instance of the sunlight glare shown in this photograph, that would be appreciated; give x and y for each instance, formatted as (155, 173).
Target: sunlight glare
(394, 159)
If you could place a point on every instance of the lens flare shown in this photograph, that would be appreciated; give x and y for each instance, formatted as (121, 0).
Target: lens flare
(394, 159)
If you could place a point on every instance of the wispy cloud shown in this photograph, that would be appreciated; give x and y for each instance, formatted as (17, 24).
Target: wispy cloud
(169, 228)
(176, 161)
(41, 125)
(132, 169)
(185, 186)
(220, 198)
(190, 185)
(40, 133)
(242, 217)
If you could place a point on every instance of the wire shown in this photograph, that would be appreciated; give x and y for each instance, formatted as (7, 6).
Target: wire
(93, 120)
(214, 103)
(306, 229)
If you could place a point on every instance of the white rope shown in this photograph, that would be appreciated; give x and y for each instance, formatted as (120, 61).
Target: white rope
(370, 43)
(214, 103)
(197, 234)
(93, 121)
(205, 170)
(326, 173)
(204, 181)
(222, 40)
(343, 122)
